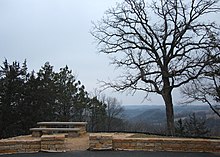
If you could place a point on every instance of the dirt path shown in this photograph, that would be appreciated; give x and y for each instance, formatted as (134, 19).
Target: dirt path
(77, 143)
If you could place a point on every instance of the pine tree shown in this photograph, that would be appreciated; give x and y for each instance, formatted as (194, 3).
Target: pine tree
(12, 98)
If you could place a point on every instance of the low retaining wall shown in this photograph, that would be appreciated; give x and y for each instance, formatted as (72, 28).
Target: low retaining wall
(100, 142)
(167, 144)
(19, 146)
(45, 143)
(52, 143)
(106, 142)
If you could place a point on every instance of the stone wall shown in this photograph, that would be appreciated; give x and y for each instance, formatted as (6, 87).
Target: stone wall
(167, 144)
(48, 143)
(52, 143)
(19, 146)
(100, 142)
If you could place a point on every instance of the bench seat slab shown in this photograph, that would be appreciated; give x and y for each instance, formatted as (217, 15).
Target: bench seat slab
(38, 132)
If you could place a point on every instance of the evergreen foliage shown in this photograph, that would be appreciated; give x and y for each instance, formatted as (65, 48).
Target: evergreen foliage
(27, 98)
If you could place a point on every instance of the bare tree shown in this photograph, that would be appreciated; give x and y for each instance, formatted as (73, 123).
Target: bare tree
(160, 46)
(114, 112)
(113, 120)
(206, 88)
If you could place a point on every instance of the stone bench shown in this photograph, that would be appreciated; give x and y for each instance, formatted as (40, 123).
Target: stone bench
(72, 132)
(80, 125)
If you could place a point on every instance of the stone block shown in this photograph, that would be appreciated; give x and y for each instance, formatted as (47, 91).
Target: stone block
(31, 150)
(73, 134)
(59, 146)
(133, 144)
(44, 147)
(151, 145)
(8, 151)
(6, 147)
(18, 146)
(2, 143)
(125, 145)
(25, 146)
(11, 142)
(37, 133)
(35, 147)
(47, 138)
(51, 147)
(100, 142)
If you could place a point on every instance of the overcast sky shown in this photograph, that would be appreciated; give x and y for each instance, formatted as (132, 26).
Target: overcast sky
(57, 31)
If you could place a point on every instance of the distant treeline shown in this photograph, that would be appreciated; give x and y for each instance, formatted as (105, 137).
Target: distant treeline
(46, 95)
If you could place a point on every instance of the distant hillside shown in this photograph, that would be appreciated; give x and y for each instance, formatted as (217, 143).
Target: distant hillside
(137, 111)
(150, 115)
(156, 116)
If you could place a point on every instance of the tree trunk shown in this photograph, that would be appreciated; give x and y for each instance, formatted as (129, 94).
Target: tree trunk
(167, 97)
